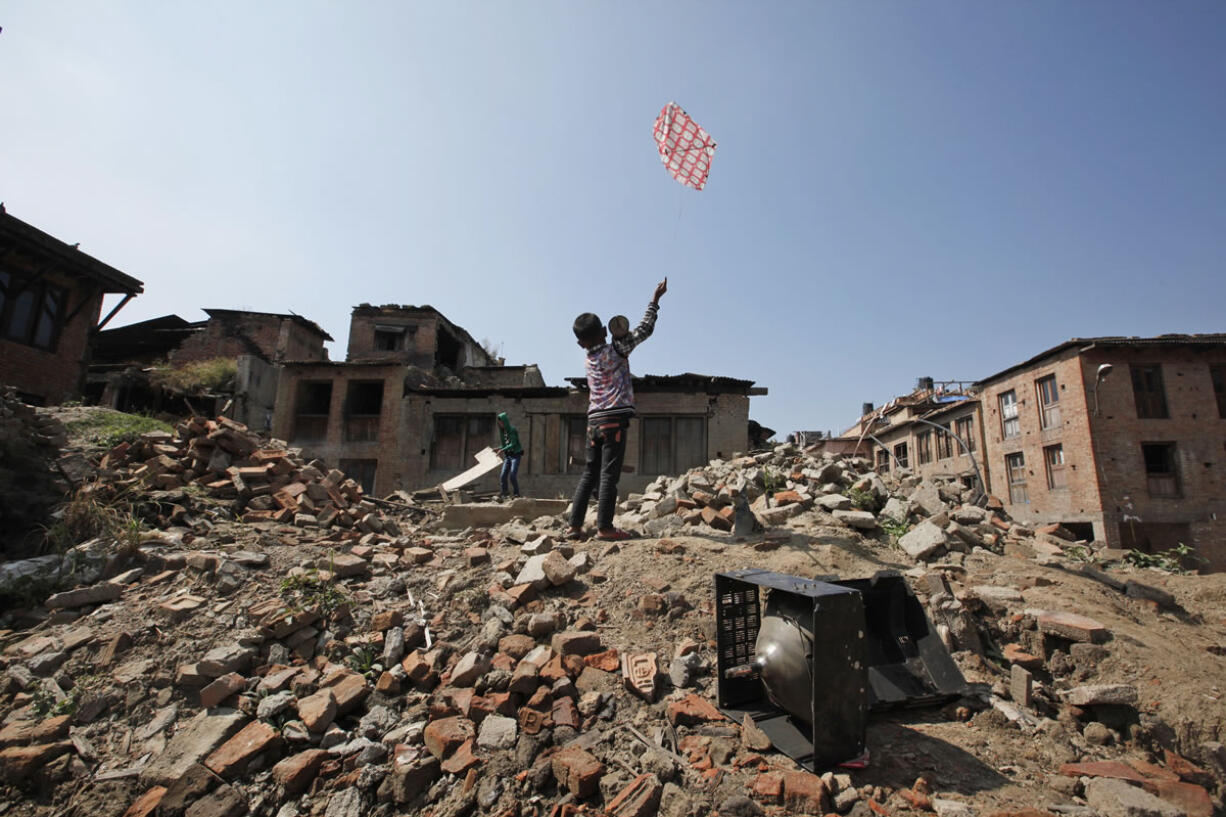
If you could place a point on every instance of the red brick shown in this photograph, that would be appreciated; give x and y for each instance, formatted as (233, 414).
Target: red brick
(231, 758)
(317, 710)
(1014, 654)
(222, 688)
(1186, 769)
(805, 793)
(639, 799)
(445, 735)
(1103, 768)
(577, 771)
(516, 646)
(295, 773)
(1072, 627)
(564, 713)
(768, 788)
(462, 759)
(386, 619)
(1193, 799)
(23, 732)
(691, 710)
(145, 805)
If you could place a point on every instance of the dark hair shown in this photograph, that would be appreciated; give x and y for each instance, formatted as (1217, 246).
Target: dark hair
(588, 328)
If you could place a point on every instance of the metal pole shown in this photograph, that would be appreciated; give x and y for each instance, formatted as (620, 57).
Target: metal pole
(983, 486)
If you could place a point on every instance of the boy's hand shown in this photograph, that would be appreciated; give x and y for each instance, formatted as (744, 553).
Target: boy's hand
(661, 288)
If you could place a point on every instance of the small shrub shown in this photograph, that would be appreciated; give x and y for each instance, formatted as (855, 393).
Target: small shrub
(44, 704)
(311, 591)
(865, 500)
(363, 661)
(894, 529)
(1179, 559)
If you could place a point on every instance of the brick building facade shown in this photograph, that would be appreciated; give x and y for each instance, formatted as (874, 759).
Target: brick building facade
(1118, 439)
(414, 335)
(1123, 439)
(928, 433)
(269, 336)
(387, 421)
(50, 303)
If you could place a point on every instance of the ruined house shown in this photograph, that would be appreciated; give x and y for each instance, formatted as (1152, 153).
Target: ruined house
(50, 303)
(1119, 439)
(417, 398)
(122, 357)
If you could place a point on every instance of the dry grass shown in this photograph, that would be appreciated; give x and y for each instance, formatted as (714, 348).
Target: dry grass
(197, 378)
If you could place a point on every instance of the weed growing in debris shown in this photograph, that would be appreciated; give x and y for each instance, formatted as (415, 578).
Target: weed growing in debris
(1180, 559)
(91, 514)
(1081, 553)
(44, 704)
(894, 529)
(110, 428)
(865, 500)
(363, 661)
(311, 591)
(196, 378)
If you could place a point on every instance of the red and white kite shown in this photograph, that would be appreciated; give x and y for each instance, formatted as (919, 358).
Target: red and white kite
(685, 148)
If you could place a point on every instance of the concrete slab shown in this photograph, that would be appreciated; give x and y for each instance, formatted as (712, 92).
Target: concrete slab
(489, 514)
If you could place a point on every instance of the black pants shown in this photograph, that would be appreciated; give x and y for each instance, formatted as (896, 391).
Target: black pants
(606, 450)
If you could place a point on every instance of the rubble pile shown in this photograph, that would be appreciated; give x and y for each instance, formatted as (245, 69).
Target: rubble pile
(30, 442)
(266, 665)
(264, 483)
(792, 488)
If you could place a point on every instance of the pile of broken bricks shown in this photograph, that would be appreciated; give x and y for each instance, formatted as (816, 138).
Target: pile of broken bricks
(262, 483)
(450, 675)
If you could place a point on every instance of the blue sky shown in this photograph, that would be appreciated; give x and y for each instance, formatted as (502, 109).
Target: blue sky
(901, 189)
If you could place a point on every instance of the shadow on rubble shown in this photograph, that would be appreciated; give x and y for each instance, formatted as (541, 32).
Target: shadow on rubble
(900, 753)
(852, 545)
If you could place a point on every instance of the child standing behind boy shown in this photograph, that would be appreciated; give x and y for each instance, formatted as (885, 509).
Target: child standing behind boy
(610, 407)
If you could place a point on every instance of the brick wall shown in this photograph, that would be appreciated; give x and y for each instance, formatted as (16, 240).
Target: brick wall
(270, 337)
(1107, 484)
(55, 375)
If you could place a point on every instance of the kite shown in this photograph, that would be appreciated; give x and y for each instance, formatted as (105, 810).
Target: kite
(685, 148)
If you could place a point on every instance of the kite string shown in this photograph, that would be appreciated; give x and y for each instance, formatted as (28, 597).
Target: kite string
(680, 207)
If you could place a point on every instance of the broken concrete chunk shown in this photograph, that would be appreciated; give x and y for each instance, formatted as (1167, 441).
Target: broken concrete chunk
(860, 520)
(923, 540)
(97, 594)
(1102, 695)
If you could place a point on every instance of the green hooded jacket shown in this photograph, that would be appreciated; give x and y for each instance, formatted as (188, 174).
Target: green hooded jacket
(509, 436)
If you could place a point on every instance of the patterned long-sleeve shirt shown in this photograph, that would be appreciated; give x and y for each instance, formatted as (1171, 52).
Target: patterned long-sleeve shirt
(611, 392)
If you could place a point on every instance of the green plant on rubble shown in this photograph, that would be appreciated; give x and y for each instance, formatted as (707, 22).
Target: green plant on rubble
(864, 500)
(1081, 553)
(894, 528)
(109, 428)
(44, 704)
(311, 591)
(364, 661)
(1172, 560)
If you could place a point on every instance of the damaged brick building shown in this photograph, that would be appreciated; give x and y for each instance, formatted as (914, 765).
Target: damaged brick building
(417, 397)
(257, 341)
(1120, 439)
(51, 297)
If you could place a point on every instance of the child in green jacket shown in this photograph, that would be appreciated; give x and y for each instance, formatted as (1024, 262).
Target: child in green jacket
(511, 452)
